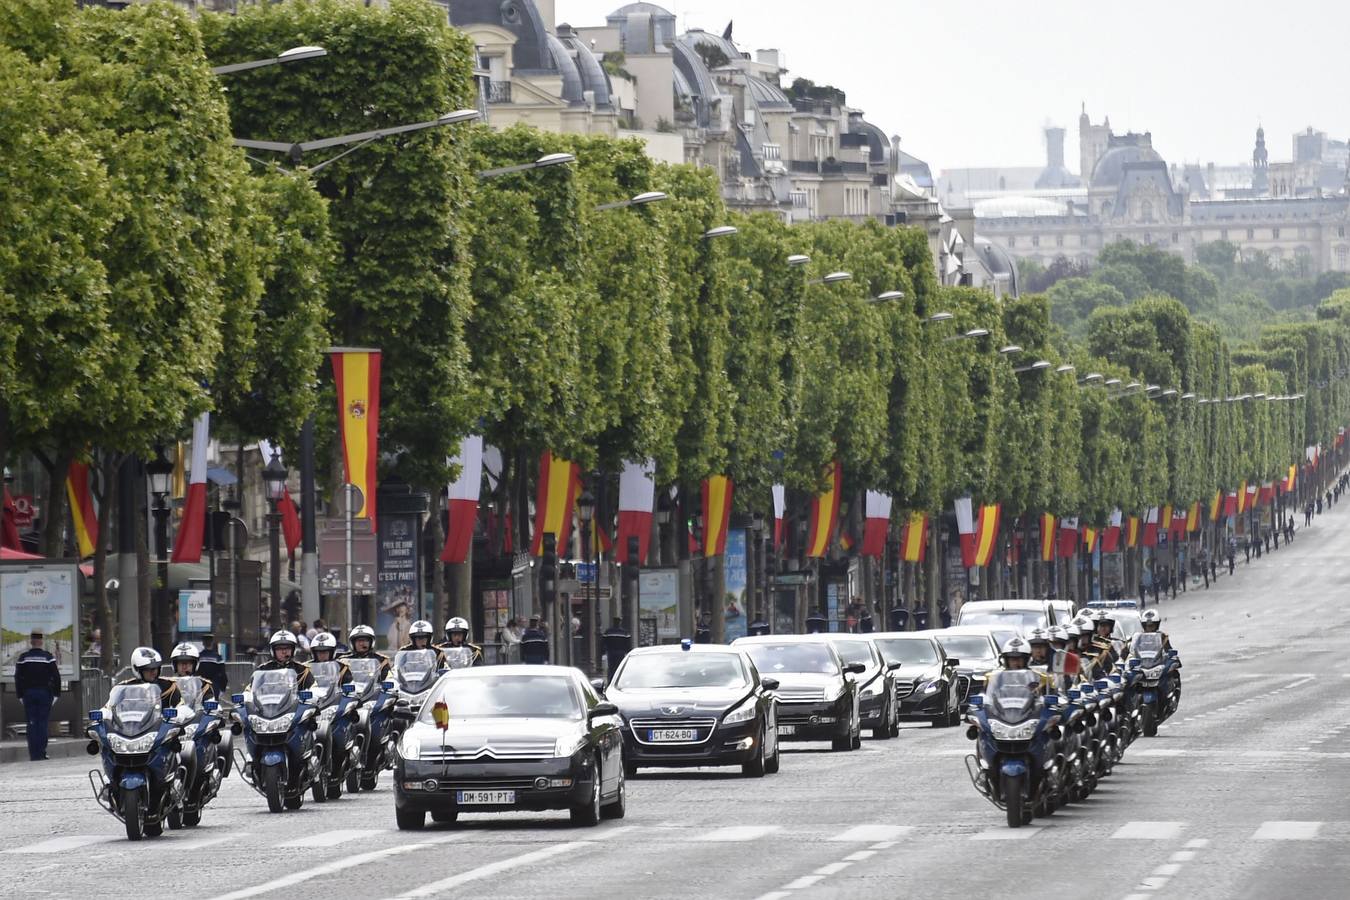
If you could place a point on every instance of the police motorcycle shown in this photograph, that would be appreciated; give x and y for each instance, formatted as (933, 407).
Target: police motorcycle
(1015, 765)
(1081, 712)
(207, 743)
(140, 744)
(1159, 694)
(412, 675)
(281, 759)
(373, 729)
(336, 739)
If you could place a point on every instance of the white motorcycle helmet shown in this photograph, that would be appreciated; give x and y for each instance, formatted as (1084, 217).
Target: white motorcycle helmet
(361, 631)
(457, 624)
(420, 628)
(282, 638)
(323, 641)
(143, 658)
(184, 651)
(1150, 617)
(1015, 646)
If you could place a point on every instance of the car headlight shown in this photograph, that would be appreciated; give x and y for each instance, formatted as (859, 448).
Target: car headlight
(270, 726)
(1022, 732)
(410, 747)
(566, 746)
(140, 744)
(931, 687)
(743, 713)
(875, 688)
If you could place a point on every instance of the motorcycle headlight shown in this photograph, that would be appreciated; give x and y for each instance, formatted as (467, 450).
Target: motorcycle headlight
(1022, 732)
(931, 687)
(270, 726)
(875, 688)
(743, 713)
(1155, 672)
(140, 744)
(566, 746)
(326, 714)
(410, 747)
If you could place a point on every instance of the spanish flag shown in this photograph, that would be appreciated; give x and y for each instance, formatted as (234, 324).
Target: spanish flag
(1047, 537)
(1289, 482)
(82, 508)
(357, 375)
(1216, 507)
(914, 538)
(1165, 518)
(824, 513)
(554, 499)
(600, 542)
(1193, 518)
(717, 492)
(1132, 531)
(1089, 538)
(1242, 498)
(845, 542)
(986, 533)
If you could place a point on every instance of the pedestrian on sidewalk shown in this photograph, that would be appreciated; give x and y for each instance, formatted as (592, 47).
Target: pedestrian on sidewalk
(1204, 566)
(37, 681)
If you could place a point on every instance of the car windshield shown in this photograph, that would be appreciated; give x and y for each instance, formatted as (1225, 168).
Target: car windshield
(647, 671)
(364, 672)
(802, 657)
(135, 708)
(1011, 695)
(326, 675)
(273, 692)
(1147, 646)
(1019, 619)
(854, 652)
(507, 696)
(190, 686)
(415, 669)
(970, 649)
(908, 651)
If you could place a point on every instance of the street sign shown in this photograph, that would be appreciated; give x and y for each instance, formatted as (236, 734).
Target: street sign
(788, 579)
(585, 572)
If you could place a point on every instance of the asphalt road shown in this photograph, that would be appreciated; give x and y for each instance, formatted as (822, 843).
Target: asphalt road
(1242, 794)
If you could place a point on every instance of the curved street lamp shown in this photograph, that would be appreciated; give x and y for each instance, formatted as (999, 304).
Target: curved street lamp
(295, 54)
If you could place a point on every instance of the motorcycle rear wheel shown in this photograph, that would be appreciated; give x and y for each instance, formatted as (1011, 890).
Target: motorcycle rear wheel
(192, 817)
(272, 788)
(1012, 799)
(133, 814)
(335, 789)
(320, 788)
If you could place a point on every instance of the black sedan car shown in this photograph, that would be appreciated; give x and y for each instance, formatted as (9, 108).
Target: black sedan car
(511, 738)
(877, 702)
(926, 681)
(700, 705)
(817, 691)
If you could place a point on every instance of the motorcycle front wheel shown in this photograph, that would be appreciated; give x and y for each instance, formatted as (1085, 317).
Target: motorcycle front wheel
(272, 788)
(1150, 722)
(133, 814)
(353, 781)
(1012, 799)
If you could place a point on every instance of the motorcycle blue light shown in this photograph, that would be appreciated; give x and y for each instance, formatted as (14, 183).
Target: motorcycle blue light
(686, 644)
(237, 698)
(1075, 694)
(96, 715)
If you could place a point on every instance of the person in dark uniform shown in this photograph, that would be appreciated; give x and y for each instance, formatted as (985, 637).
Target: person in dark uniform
(211, 665)
(362, 640)
(899, 619)
(147, 664)
(186, 661)
(534, 644)
(282, 645)
(618, 641)
(758, 627)
(459, 652)
(324, 648)
(420, 635)
(37, 681)
(816, 623)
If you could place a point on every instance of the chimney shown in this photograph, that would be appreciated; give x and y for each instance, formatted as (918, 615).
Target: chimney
(1054, 147)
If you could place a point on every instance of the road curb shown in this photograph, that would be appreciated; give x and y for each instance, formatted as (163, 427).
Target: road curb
(62, 748)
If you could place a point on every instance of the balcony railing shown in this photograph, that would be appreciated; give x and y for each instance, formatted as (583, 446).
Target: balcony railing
(499, 92)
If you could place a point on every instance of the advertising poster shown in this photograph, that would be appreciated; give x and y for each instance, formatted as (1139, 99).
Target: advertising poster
(194, 611)
(397, 589)
(659, 592)
(42, 597)
(733, 603)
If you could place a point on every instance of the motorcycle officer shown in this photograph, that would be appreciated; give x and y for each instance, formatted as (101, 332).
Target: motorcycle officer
(1151, 622)
(185, 659)
(361, 639)
(282, 647)
(147, 664)
(420, 634)
(324, 649)
(1104, 626)
(457, 647)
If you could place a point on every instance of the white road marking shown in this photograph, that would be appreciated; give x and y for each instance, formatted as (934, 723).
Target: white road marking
(1008, 834)
(1162, 751)
(1167, 870)
(492, 868)
(329, 868)
(833, 868)
(774, 895)
(1182, 856)
(1287, 831)
(864, 833)
(1149, 831)
(861, 855)
(738, 833)
(804, 881)
(1197, 844)
(193, 843)
(64, 843)
(333, 838)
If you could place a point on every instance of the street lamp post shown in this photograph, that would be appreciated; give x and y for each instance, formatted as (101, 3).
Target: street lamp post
(543, 162)
(295, 54)
(586, 515)
(159, 470)
(295, 151)
(275, 474)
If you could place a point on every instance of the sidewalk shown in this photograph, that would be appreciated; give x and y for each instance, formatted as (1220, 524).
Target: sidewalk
(57, 748)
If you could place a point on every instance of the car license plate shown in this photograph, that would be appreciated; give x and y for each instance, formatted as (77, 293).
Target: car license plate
(657, 735)
(787, 729)
(485, 798)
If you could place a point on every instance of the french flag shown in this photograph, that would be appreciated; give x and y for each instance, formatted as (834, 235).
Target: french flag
(290, 513)
(1151, 527)
(463, 500)
(779, 505)
(637, 496)
(1111, 539)
(965, 525)
(187, 545)
(876, 524)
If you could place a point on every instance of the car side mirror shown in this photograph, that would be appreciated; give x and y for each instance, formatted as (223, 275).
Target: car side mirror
(598, 684)
(892, 666)
(953, 662)
(769, 684)
(602, 709)
(854, 668)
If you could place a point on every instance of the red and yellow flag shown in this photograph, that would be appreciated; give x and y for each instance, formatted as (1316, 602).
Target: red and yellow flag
(1047, 537)
(1132, 531)
(845, 542)
(717, 493)
(1089, 538)
(1193, 518)
(914, 538)
(1242, 498)
(1216, 506)
(82, 508)
(986, 533)
(554, 499)
(1165, 518)
(1289, 482)
(824, 513)
(357, 375)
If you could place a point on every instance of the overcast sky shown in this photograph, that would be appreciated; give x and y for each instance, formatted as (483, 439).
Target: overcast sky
(972, 83)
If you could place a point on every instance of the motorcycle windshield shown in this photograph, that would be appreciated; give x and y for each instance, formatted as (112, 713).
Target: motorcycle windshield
(326, 676)
(1148, 646)
(1012, 696)
(190, 686)
(415, 669)
(135, 708)
(458, 657)
(364, 673)
(274, 692)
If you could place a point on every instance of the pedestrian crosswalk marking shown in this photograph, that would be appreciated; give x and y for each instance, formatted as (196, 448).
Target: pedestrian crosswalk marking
(738, 833)
(1287, 831)
(1008, 834)
(1161, 751)
(333, 838)
(1149, 831)
(868, 833)
(64, 843)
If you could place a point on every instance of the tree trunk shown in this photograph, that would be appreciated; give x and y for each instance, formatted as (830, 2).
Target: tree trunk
(103, 608)
(54, 521)
(439, 605)
(144, 581)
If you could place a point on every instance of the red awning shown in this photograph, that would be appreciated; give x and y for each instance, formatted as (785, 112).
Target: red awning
(7, 553)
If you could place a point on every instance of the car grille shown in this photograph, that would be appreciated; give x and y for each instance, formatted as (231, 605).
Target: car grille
(484, 784)
(494, 750)
(800, 695)
(905, 688)
(702, 726)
